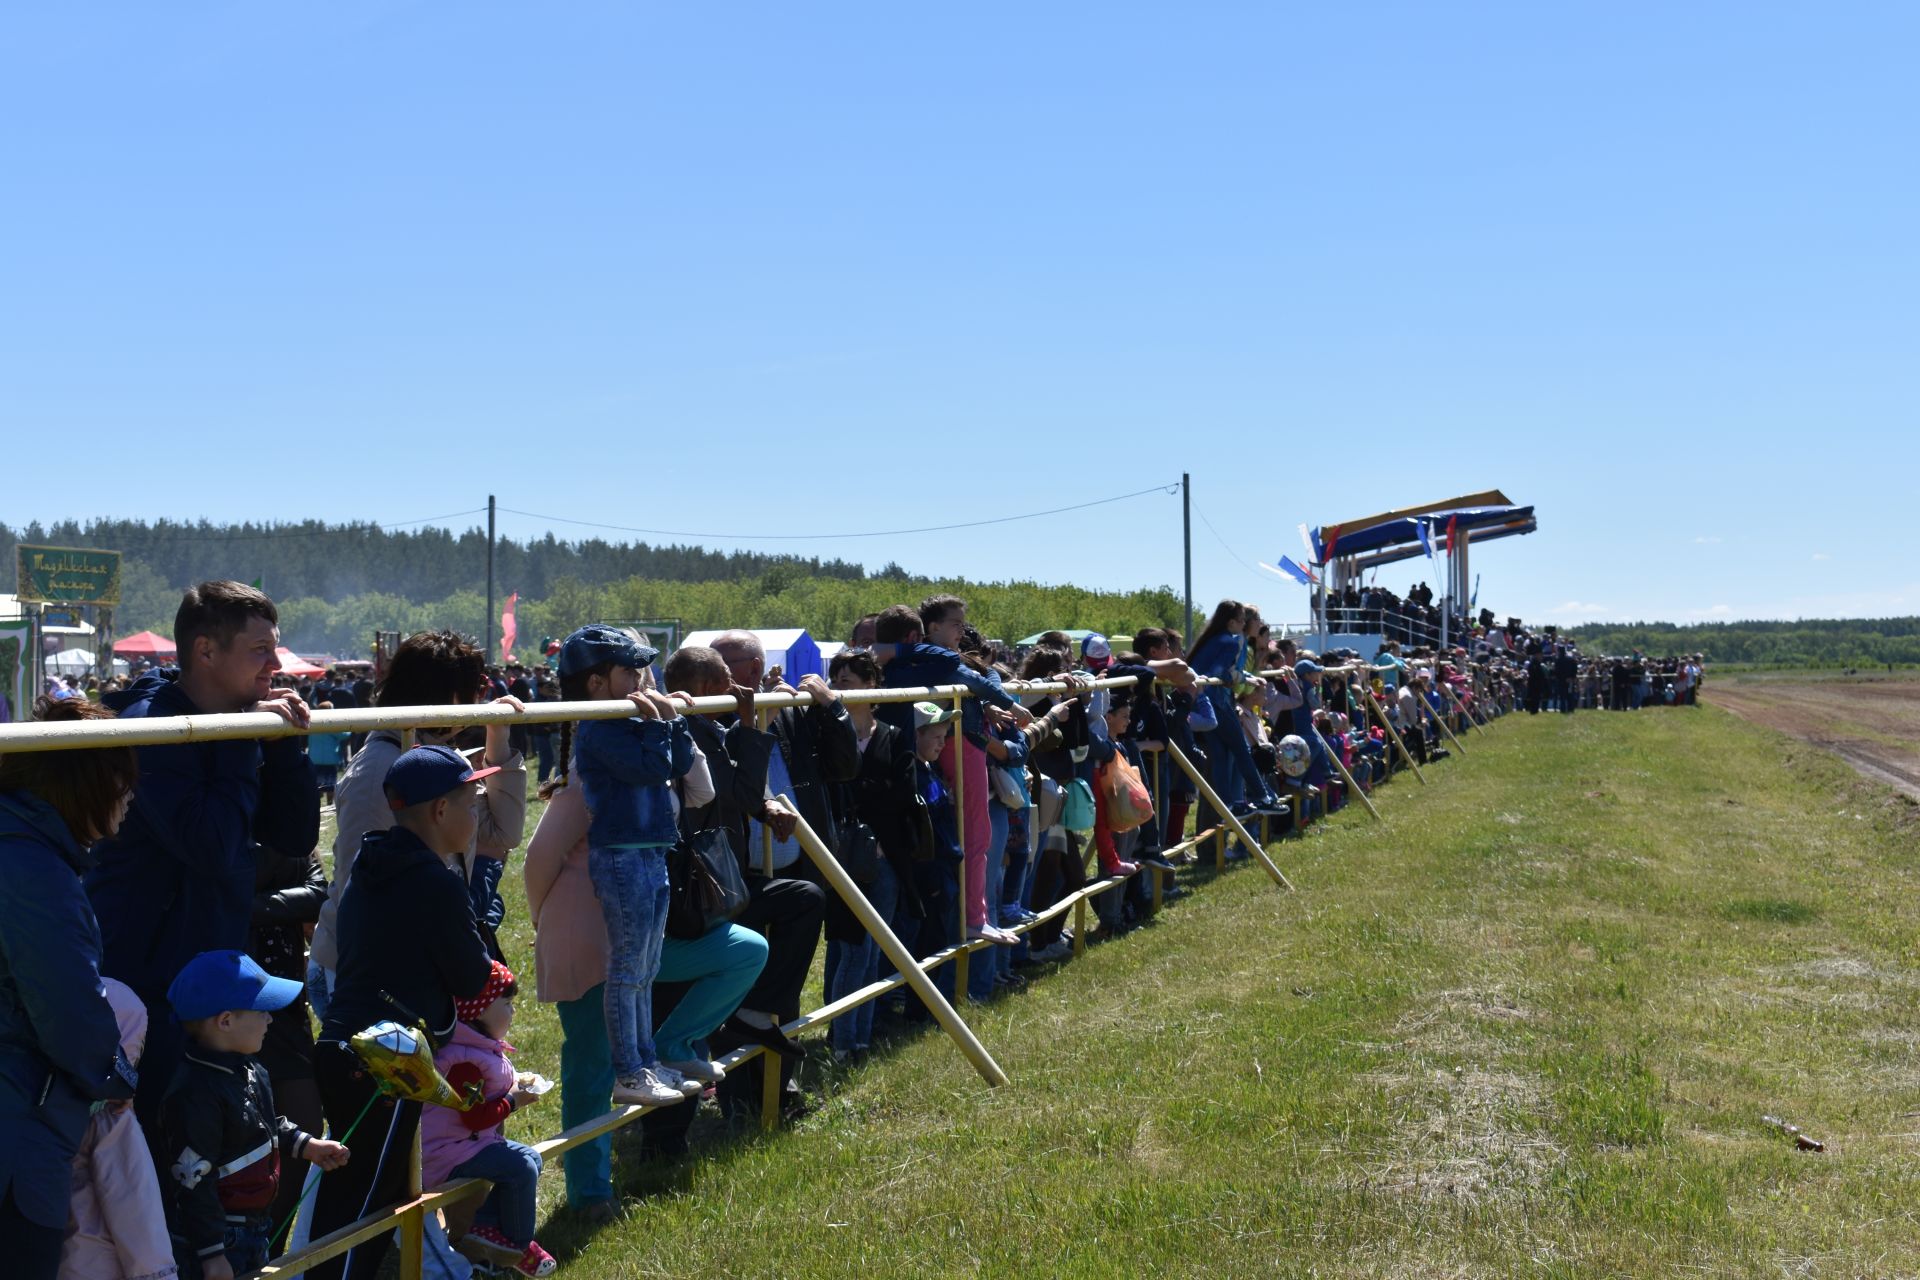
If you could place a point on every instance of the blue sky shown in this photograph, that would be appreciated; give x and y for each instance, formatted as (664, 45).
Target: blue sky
(780, 269)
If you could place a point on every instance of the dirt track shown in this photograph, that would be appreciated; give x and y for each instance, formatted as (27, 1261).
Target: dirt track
(1873, 724)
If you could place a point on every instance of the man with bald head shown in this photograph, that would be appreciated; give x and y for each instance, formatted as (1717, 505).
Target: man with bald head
(762, 778)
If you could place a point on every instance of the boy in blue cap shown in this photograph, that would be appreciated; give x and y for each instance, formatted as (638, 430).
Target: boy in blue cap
(221, 1140)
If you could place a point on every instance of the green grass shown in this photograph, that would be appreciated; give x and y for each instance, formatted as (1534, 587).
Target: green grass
(1528, 1027)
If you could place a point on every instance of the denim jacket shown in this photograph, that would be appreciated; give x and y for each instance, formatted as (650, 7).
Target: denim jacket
(925, 665)
(625, 767)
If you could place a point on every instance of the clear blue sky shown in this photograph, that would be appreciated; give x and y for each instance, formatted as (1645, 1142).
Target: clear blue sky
(1653, 268)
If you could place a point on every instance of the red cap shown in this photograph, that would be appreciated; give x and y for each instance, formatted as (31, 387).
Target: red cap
(497, 983)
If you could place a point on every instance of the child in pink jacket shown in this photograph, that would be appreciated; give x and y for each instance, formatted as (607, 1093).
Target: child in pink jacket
(473, 1143)
(117, 1225)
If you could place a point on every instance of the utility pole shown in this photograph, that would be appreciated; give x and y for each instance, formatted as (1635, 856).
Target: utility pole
(486, 632)
(1186, 530)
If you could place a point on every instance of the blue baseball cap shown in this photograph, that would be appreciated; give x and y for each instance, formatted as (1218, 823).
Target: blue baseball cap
(427, 773)
(216, 981)
(596, 643)
(1306, 667)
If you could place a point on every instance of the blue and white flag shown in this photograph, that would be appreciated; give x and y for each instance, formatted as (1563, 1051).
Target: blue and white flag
(1426, 537)
(1288, 569)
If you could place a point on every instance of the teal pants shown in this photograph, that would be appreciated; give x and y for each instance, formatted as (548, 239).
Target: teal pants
(721, 967)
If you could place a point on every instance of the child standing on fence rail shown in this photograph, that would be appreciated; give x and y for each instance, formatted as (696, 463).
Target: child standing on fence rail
(473, 1143)
(626, 770)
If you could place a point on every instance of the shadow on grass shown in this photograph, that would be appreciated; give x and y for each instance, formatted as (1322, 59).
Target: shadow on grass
(1771, 910)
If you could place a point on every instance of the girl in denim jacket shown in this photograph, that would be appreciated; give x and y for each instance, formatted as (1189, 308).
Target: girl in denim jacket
(626, 769)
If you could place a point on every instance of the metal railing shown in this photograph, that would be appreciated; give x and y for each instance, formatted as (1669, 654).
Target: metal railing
(408, 1216)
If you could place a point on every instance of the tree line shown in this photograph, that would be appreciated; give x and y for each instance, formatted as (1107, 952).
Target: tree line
(1833, 642)
(336, 561)
(335, 585)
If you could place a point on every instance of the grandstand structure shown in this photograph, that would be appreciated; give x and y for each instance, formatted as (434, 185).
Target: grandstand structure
(1345, 553)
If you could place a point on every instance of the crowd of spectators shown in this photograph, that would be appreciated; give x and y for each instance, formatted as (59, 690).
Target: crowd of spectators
(172, 904)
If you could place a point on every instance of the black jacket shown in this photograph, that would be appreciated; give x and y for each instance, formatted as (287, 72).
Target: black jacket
(819, 748)
(221, 1144)
(287, 896)
(408, 944)
(883, 795)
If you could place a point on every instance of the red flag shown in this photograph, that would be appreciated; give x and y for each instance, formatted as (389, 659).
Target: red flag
(1333, 539)
(509, 629)
(1453, 522)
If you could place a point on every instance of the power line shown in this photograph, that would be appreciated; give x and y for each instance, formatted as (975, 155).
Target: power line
(1229, 550)
(819, 537)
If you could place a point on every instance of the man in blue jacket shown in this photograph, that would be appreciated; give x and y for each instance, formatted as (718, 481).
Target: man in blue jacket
(178, 878)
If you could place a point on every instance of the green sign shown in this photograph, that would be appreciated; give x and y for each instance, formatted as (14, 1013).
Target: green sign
(69, 575)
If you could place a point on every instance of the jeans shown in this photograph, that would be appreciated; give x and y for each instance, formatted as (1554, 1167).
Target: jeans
(543, 748)
(489, 908)
(984, 966)
(246, 1249)
(514, 1171)
(720, 966)
(853, 965)
(631, 884)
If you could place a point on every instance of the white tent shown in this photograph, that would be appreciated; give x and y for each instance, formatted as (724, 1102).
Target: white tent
(70, 662)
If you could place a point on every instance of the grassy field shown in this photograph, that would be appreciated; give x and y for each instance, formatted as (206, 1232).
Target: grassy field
(1529, 1027)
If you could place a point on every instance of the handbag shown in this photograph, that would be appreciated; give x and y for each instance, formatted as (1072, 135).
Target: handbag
(859, 851)
(1203, 718)
(1010, 786)
(1129, 803)
(704, 884)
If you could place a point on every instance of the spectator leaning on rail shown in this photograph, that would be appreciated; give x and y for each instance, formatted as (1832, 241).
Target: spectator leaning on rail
(700, 983)
(409, 948)
(917, 650)
(791, 909)
(59, 1039)
(430, 669)
(178, 878)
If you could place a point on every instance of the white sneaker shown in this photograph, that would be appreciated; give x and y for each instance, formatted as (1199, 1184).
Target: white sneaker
(674, 1080)
(704, 1072)
(645, 1089)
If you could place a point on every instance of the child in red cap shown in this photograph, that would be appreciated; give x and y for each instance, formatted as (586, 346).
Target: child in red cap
(473, 1144)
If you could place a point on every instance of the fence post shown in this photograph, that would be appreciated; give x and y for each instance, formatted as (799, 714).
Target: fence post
(1227, 818)
(916, 977)
(1352, 786)
(1373, 705)
(963, 959)
(1441, 720)
(771, 1071)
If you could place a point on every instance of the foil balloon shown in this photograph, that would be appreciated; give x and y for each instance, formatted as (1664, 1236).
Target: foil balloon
(400, 1059)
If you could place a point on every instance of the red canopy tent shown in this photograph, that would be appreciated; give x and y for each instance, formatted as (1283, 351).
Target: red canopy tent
(292, 664)
(144, 644)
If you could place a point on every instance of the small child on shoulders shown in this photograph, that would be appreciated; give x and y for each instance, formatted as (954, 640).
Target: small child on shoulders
(473, 1143)
(221, 1140)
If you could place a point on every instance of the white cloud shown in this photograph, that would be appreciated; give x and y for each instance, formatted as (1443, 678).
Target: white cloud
(1707, 540)
(1714, 611)
(1821, 555)
(1579, 608)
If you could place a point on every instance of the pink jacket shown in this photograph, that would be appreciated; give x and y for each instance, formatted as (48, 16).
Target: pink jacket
(117, 1227)
(569, 930)
(446, 1142)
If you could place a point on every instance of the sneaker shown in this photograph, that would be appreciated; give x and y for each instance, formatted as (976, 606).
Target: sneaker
(704, 1072)
(536, 1262)
(645, 1089)
(993, 934)
(1119, 868)
(1058, 951)
(489, 1250)
(674, 1080)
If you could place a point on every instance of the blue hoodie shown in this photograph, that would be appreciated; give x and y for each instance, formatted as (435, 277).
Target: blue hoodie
(178, 878)
(624, 768)
(928, 666)
(59, 1040)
